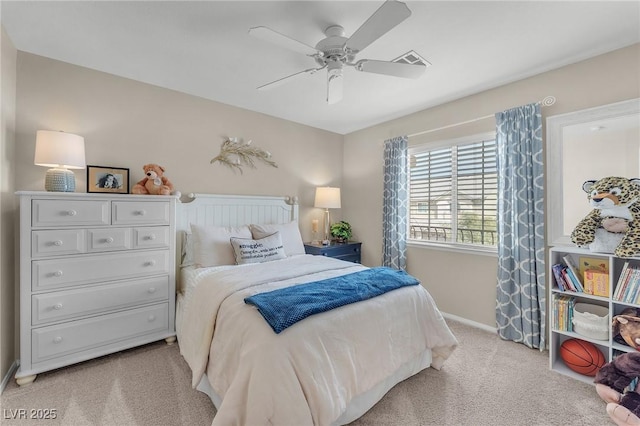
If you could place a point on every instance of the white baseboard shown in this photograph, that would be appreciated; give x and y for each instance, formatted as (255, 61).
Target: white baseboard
(9, 375)
(470, 322)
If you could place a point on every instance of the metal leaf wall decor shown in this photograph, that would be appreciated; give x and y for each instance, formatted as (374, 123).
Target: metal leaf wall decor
(235, 153)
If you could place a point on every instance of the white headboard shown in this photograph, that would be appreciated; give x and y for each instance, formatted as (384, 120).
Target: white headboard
(235, 210)
(231, 210)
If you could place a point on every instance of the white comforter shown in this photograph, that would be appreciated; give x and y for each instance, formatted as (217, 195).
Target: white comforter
(310, 372)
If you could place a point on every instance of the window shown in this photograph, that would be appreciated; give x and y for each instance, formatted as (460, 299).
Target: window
(453, 192)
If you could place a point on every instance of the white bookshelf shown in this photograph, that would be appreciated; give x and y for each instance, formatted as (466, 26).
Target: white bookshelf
(609, 347)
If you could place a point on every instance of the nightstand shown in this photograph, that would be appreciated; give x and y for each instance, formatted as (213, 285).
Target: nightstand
(349, 251)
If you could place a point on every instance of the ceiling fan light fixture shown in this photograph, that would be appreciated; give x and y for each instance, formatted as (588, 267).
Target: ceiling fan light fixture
(335, 50)
(334, 82)
(334, 89)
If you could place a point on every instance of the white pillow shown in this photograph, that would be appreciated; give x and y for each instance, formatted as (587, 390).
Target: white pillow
(211, 244)
(187, 250)
(289, 232)
(257, 251)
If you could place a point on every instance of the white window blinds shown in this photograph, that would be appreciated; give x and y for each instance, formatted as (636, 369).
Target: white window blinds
(453, 193)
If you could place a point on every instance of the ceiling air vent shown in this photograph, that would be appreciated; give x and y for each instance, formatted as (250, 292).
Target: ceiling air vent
(412, 57)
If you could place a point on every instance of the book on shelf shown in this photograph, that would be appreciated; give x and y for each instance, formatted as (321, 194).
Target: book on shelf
(561, 278)
(596, 283)
(624, 273)
(567, 280)
(592, 264)
(563, 312)
(573, 273)
(594, 272)
(628, 285)
(631, 291)
(557, 274)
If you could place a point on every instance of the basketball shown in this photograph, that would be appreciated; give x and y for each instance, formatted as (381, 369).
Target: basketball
(581, 356)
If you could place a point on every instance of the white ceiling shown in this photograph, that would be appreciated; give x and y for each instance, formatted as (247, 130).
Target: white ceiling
(202, 48)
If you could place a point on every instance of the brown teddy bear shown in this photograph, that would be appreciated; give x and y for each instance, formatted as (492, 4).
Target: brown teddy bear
(154, 182)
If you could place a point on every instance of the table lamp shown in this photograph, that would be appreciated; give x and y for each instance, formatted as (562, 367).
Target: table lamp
(61, 151)
(327, 198)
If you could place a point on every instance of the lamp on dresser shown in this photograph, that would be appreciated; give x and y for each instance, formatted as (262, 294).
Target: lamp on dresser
(61, 151)
(327, 198)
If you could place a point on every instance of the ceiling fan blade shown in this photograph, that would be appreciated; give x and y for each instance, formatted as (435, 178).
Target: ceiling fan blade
(334, 88)
(390, 14)
(396, 69)
(282, 40)
(283, 80)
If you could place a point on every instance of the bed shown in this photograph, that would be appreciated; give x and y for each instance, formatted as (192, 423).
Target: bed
(329, 368)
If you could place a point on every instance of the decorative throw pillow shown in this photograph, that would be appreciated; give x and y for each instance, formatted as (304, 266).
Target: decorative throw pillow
(211, 244)
(289, 232)
(257, 251)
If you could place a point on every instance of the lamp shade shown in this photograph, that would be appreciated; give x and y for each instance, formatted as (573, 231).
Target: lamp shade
(327, 197)
(59, 149)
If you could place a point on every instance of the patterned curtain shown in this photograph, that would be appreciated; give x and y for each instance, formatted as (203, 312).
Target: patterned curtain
(394, 209)
(520, 304)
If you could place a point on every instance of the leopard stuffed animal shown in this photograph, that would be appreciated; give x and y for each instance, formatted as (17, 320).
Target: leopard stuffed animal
(616, 209)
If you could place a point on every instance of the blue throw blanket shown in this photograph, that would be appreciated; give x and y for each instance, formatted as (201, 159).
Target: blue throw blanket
(284, 307)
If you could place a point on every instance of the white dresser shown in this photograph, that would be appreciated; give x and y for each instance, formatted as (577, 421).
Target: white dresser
(97, 275)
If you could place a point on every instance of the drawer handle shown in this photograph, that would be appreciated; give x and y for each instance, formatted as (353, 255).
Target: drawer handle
(57, 340)
(151, 290)
(150, 237)
(56, 274)
(108, 240)
(57, 243)
(72, 213)
(149, 263)
(140, 212)
(57, 306)
(151, 318)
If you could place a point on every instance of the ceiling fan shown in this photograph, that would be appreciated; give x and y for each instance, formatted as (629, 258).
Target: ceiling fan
(336, 51)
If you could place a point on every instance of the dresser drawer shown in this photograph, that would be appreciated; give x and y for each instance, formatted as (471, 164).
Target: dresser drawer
(340, 250)
(58, 242)
(70, 213)
(58, 273)
(109, 239)
(151, 237)
(134, 213)
(62, 339)
(68, 304)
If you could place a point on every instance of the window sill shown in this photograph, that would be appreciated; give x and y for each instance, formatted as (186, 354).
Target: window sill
(453, 247)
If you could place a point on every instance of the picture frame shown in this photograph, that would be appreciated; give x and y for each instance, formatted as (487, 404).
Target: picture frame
(112, 180)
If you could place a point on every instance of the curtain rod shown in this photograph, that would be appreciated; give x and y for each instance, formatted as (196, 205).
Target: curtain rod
(547, 101)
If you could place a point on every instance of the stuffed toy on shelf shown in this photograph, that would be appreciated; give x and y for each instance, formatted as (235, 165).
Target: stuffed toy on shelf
(614, 223)
(154, 182)
(617, 384)
(625, 328)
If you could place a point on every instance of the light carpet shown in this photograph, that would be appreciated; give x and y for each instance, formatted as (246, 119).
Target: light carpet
(487, 381)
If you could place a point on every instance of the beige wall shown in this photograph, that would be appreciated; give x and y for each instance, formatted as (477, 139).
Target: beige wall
(8, 289)
(128, 124)
(464, 284)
